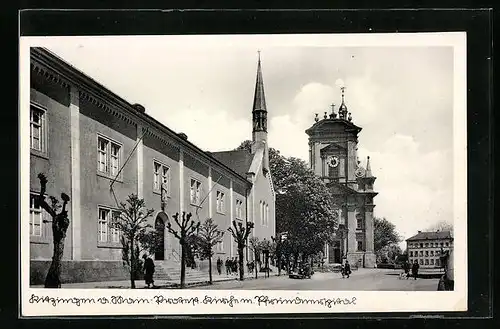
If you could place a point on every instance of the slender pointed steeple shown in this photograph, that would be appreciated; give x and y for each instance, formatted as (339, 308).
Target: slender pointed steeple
(259, 99)
(259, 117)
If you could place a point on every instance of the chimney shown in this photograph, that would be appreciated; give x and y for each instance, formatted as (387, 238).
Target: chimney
(139, 108)
(183, 136)
(419, 231)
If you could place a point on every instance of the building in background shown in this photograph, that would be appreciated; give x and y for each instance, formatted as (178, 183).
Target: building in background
(427, 247)
(98, 148)
(333, 144)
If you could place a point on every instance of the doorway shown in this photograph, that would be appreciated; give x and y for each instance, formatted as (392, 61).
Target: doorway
(334, 253)
(160, 247)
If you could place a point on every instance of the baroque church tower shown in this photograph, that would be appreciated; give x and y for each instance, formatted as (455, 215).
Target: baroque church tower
(333, 145)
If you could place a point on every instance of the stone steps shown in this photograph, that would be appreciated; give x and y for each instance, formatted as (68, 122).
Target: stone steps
(171, 271)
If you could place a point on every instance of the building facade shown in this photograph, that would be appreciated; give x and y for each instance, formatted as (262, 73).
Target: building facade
(98, 148)
(427, 247)
(333, 144)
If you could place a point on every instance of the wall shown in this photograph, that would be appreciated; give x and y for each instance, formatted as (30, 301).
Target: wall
(56, 163)
(95, 188)
(262, 192)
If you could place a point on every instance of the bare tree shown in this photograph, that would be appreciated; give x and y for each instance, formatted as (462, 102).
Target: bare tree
(209, 235)
(255, 246)
(132, 225)
(442, 225)
(240, 235)
(186, 233)
(60, 223)
(268, 247)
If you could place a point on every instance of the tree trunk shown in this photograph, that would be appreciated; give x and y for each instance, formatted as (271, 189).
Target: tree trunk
(240, 261)
(255, 263)
(210, 268)
(132, 264)
(183, 265)
(53, 276)
(278, 262)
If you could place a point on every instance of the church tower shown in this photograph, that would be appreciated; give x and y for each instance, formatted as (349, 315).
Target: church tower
(259, 118)
(333, 145)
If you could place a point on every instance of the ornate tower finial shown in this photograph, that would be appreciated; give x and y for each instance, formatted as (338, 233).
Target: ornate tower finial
(316, 119)
(368, 168)
(343, 107)
(350, 117)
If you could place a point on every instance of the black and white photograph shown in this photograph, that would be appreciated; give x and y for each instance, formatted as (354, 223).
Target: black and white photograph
(235, 172)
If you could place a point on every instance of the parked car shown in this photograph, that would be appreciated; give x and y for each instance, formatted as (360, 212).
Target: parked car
(305, 272)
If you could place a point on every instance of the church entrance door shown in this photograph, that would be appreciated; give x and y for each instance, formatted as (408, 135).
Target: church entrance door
(160, 248)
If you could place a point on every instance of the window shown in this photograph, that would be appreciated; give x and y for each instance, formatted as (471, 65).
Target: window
(161, 178)
(267, 215)
(426, 245)
(421, 245)
(107, 232)
(36, 217)
(219, 246)
(360, 246)
(426, 261)
(426, 253)
(359, 223)
(220, 202)
(431, 244)
(263, 213)
(108, 156)
(411, 253)
(447, 244)
(437, 261)
(432, 261)
(432, 252)
(421, 261)
(421, 253)
(442, 244)
(37, 129)
(195, 192)
(239, 209)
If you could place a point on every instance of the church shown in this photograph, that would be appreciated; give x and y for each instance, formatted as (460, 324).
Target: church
(98, 148)
(333, 145)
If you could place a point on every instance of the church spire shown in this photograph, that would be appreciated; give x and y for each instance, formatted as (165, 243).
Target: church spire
(259, 118)
(259, 99)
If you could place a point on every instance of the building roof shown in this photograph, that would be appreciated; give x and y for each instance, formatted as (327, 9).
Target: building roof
(92, 87)
(238, 160)
(431, 236)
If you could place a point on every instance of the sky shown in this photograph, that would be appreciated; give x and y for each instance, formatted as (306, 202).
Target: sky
(402, 97)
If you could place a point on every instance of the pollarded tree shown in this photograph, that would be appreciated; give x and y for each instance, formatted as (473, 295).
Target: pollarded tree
(132, 225)
(240, 235)
(60, 223)
(255, 247)
(186, 233)
(209, 235)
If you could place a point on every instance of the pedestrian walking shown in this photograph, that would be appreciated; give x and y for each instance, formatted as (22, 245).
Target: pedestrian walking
(149, 270)
(228, 266)
(219, 266)
(347, 268)
(406, 269)
(414, 269)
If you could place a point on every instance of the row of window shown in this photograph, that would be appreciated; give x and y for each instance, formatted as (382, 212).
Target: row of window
(428, 245)
(264, 213)
(427, 261)
(421, 253)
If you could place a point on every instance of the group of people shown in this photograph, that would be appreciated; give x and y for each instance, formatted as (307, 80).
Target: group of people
(414, 269)
(231, 265)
